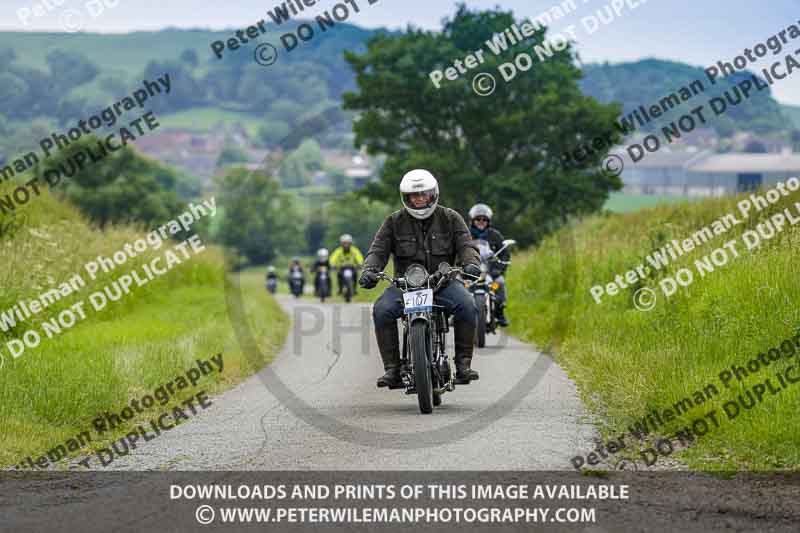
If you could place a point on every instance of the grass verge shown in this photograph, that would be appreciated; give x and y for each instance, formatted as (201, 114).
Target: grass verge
(629, 363)
(149, 337)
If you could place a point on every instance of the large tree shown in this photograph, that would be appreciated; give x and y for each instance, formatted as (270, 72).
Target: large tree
(261, 222)
(504, 149)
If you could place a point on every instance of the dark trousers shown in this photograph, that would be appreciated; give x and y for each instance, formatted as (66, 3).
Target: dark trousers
(453, 297)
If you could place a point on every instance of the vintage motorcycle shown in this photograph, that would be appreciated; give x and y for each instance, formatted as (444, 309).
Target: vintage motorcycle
(296, 282)
(426, 369)
(349, 282)
(485, 289)
(272, 285)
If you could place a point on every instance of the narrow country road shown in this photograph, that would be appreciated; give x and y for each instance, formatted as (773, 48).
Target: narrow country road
(330, 362)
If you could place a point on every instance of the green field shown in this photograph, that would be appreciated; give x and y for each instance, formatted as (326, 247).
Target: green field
(208, 119)
(149, 337)
(619, 202)
(628, 363)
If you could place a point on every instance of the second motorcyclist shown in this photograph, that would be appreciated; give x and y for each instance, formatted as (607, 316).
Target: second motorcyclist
(480, 217)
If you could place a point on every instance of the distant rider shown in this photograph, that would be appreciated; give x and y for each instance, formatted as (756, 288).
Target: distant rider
(295, 266)
(271, 274)
(322, 261)
(428, 234)
(346, 255)
(480, 217)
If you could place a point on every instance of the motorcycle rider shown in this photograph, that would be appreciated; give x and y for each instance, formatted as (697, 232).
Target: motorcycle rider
(322, 261)
(480, 220)
(271, 274)
(347, 254)
(426, 233)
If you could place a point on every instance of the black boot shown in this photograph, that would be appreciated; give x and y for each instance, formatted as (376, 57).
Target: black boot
(389, 346)
(501, 316)
(464, 335)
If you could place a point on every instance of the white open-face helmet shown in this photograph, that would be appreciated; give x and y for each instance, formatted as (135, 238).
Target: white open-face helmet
(480, 210)
(271, 269)
(346, 239)
(419, 181)
(322, 254)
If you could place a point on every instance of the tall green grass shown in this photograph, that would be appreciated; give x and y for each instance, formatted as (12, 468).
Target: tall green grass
(629, 362)
(151, 336)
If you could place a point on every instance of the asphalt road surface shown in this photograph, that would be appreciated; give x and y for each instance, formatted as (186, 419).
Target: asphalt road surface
(330, 363)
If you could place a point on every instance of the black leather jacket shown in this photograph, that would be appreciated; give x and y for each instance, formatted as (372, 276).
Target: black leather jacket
(442, 237)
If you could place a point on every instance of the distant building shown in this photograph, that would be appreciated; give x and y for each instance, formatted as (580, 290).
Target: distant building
(706, 174)
(731, 173)
(195, 153)
(359, 168)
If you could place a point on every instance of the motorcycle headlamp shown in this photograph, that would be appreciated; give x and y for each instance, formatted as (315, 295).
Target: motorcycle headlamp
(416, 276)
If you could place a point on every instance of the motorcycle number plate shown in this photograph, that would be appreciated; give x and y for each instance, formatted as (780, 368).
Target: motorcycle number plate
(418, 301)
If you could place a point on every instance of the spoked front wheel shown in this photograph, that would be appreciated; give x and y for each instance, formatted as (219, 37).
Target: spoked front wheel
(422, 369)
(480, 330)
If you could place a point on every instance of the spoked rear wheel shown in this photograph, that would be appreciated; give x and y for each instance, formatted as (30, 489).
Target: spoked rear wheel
(422, 368)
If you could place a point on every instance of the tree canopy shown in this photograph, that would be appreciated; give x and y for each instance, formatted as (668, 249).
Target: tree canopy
(122, 187)
(505, 149)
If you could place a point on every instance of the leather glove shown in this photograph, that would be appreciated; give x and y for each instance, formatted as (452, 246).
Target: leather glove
(472, 270)
(368, 279)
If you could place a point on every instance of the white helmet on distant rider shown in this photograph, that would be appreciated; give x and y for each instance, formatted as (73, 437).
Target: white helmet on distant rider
(419, 191)
(322, 254)
(346, 239)
(480, 210)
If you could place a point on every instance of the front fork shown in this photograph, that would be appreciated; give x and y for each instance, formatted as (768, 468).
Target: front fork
(443, 367)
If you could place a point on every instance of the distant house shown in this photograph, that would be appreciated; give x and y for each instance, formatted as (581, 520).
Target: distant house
(356, 167)
(660, 173)
(196, 153)
(731, 173)
(706, 174)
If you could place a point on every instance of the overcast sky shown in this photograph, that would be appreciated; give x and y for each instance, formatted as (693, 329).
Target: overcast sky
(699, 32)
